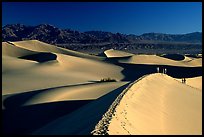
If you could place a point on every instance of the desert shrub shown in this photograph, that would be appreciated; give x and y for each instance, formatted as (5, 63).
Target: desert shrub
(107, 80)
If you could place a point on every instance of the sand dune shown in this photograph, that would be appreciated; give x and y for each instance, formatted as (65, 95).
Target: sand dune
(177, 57)
(195, 82)
(14, 51)
(57, 91)
(151, 107)
(36, 45)
(83, 120)
(28, 75)
(153, 59)
(67, 70)
(116, 53)
(76, 92)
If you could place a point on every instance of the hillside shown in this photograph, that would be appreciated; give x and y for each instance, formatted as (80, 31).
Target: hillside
(53, 35)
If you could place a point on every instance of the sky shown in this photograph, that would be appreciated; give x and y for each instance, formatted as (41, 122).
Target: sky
(123, 17)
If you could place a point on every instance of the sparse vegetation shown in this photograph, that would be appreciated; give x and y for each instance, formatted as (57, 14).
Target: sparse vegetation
(107, 80)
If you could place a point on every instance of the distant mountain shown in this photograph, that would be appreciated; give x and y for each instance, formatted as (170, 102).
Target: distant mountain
(44, 32)
(195, 37)
(109, 37)
(50, 34)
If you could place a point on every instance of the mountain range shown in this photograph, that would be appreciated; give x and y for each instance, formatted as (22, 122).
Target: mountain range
(53, 35)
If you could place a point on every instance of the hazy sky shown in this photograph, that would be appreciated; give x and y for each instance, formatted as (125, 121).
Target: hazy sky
(123, 17)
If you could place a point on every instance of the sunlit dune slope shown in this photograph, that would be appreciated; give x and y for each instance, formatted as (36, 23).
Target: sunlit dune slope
(21, 75)
(36, 45)
(194, 82)
(153, 59)
(116, 53)
(14, 51)
(68, 70)
(158, 104)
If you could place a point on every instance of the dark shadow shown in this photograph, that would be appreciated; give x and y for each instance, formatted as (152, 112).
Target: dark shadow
(24, 120)
(83, 120)
(135, 71)
(15, 101)
(192, 55)
(101, 81)
(40, 57)
(177, 57)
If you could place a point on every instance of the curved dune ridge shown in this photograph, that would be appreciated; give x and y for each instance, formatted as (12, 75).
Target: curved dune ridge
(166, 59)
(11, 50)
(177, 57)
(151, 107)
(116, 53)
(153, 59)
(67, 69)
(65, 93)
(36, 45)
(40, 57)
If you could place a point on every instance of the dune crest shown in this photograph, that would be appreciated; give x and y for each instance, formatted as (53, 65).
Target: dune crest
(151, 107)
(116, 53)
(153, 59)
(36, 45)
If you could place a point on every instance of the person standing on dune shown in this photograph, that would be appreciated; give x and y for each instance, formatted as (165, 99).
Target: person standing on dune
(157, 69)
(184, 80)
(165, 70)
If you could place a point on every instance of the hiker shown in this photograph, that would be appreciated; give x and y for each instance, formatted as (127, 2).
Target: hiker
(165, 70)
(184, 80)
(157, 69)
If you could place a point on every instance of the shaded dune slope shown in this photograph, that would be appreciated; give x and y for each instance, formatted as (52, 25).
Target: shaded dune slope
(134, 71)
(177, 57)
(39, 107)
(40, 57)
(63, 93)
(80, 121)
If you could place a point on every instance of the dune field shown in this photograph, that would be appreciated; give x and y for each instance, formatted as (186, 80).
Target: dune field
(48, 90)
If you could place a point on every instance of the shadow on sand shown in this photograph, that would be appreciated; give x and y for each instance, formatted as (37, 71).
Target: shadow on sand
(177, 57)
(40, 57)
(19, 120)
(83, 120)
(16, 100)
(24, 120)
(135, 71)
